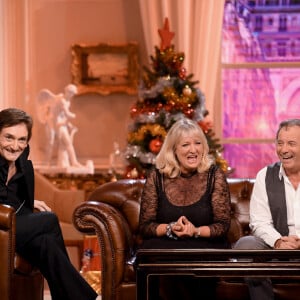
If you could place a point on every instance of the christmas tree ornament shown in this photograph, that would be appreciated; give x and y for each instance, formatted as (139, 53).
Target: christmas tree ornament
(182, 73)
(206, 126)
(134, 173)
(155, 145)
(187, 91)
(166, 35)
(165, 95)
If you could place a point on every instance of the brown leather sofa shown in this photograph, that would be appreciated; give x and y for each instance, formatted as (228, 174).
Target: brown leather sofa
(112, 211)
(18, 279)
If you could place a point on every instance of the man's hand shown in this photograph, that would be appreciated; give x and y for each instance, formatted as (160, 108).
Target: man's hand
(287, 242)
(41, 205)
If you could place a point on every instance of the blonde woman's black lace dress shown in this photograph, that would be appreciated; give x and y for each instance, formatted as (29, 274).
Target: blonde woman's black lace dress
(205, 200)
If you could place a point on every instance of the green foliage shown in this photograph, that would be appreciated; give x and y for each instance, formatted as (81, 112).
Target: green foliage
(166, 93)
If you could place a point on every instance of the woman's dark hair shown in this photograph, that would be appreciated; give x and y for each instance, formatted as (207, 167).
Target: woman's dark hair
(14, 116)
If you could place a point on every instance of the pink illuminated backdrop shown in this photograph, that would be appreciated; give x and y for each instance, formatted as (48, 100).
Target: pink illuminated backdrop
(260, 79)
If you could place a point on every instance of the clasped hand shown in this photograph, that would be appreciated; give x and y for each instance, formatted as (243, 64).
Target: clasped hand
(288, 242)
(183, 227)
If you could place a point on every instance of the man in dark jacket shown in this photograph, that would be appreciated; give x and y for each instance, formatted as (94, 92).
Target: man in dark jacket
(38, 235)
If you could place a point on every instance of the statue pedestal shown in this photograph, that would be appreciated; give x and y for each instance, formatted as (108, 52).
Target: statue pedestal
(85, 169)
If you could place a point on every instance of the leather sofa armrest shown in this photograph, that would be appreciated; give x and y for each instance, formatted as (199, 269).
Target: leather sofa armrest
(235, 231)
(6, 217)
(112, 232)
(7, 248)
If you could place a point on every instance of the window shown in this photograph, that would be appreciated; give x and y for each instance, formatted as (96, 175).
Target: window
(258, 23)
(282, 48)
(260, 80)
(282, 23)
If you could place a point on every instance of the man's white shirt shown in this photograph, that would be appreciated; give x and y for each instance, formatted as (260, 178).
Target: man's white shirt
(261, 222)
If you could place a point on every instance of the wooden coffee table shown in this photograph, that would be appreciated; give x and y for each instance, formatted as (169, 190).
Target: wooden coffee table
(214, 263)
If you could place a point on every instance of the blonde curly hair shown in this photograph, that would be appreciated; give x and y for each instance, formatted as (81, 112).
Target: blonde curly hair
(166, 160)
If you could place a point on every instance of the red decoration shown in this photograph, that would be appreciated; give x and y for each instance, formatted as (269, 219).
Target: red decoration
(134, 111)
(182, 73)
(189, 113)
(166, 35)
(205, 125)
(155, 145)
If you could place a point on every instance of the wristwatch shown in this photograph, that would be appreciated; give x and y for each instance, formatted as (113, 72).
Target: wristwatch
(198, 234)
(169, 232)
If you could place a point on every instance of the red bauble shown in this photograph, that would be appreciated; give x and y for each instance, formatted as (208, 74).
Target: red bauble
(155, 145)
(182, 73)
(189, 112)
(133, 112)
(205, 125)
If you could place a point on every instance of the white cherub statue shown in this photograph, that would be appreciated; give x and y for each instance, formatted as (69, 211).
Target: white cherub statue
(54, 112)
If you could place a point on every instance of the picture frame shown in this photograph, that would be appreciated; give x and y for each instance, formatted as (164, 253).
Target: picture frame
(105, 68)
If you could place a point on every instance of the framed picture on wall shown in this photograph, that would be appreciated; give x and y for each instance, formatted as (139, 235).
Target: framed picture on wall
(105, 68)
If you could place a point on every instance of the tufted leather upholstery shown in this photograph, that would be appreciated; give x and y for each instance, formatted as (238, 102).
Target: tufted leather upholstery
(112, 211)
(18, 279)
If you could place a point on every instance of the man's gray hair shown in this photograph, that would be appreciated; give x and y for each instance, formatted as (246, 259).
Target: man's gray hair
(288, 123)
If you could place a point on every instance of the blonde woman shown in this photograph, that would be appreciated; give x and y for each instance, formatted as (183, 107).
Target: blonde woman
(185, 202)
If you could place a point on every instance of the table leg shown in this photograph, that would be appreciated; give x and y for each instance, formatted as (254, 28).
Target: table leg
(141, 285)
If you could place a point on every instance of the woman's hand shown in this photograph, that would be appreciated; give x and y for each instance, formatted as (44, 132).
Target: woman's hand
(183, 227)
(41, 205)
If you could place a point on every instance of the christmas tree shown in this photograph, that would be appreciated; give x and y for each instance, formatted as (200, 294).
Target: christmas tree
(166, 93)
